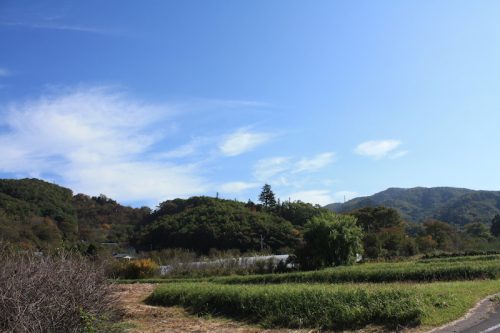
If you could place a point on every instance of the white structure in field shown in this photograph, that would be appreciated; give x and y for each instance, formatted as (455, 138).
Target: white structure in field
(242, 262)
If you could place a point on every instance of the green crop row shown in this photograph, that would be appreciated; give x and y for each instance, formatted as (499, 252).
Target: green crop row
(329, 306)
(376, 273)
(460, 254)
(461, 259)
(295, 305)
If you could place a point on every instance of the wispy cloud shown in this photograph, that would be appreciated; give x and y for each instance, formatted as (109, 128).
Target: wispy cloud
(284, 167)
(315, 163)
(192, 148)
(380, 148)
(95, 141)
(399, 154)
(267, 168)
(237, 187)
(242, 141)
(4, 72)
(322, 197)
(51, 25)
(315, 197)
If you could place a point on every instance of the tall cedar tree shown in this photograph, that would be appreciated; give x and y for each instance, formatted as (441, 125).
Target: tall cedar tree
(495, 226)
(267, 197)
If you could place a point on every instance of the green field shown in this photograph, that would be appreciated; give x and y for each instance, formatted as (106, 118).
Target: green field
(338, 306)
(382, 272)
(428, 292)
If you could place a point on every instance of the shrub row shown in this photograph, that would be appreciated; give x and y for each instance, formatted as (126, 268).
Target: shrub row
(379, 273)
(459, 254)
(461, 259)
(296, 305)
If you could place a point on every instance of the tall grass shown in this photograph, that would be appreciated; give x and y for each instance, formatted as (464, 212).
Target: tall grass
(460, 259)
(346, 306)
(296, 305)
(380, 272)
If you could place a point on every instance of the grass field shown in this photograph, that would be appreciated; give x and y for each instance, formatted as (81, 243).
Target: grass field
(338, 306)
(426, 270)
(380, 272)
(426, 292)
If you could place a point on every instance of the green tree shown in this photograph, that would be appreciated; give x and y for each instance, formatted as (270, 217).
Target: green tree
(477, 229)
(298, 212)
(384, 231)
(267, 197)
(426, 244)
(330, 240)
(443, 233)
(495, 226)
(373, 219)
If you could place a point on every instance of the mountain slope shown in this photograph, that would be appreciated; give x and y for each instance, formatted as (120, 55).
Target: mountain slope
(38, 214)
(453, 205)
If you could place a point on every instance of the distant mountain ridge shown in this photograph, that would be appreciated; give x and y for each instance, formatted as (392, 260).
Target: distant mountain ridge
(449, 204)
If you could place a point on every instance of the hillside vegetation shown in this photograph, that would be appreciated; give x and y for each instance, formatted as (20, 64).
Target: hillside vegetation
(203, 223)
(452, 205)
(38, 215)
(35, 214)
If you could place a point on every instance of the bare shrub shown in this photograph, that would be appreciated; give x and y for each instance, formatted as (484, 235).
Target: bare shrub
(59, 293)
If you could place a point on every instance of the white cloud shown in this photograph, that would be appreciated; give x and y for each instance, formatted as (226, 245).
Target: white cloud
(182, 151)
(243, 140)
(265, 169)
(4, 72)
(323, 197)
(378, 149)
(189, 149)
(238, 187)
(320, 197)
(399, 154)
(281, 169)
(313, 164)
(96, 141)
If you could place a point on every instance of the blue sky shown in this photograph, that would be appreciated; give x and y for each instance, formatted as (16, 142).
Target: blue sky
(325, 99)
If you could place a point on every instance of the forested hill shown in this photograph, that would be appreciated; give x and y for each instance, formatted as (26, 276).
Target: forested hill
(453, 205)
(35, 214)
(204, 223)
(38, 214)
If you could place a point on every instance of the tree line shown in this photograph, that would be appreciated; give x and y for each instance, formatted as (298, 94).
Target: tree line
(38, 215)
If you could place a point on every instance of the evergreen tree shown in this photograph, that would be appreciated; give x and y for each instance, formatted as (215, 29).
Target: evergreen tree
(495, 226)
(267, 197)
